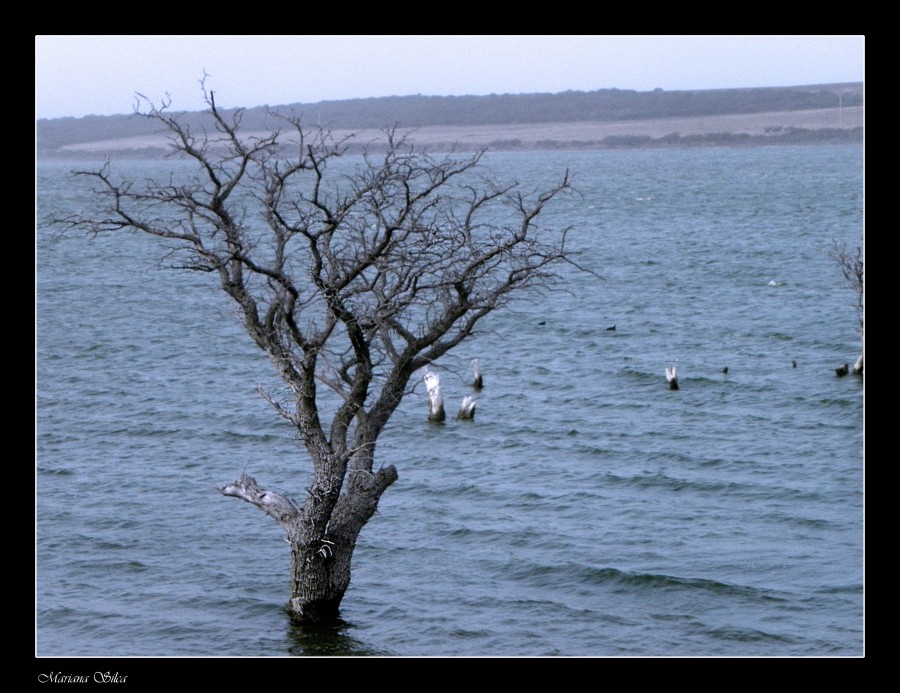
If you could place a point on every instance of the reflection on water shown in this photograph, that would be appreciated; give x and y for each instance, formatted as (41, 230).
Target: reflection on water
(329, 640)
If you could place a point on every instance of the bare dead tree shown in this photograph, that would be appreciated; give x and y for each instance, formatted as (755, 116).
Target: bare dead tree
(852, 265)
(351, 273)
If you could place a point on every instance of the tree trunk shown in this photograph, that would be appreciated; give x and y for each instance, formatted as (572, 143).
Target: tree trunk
(320, 575)
(321, 566)
(320, 570)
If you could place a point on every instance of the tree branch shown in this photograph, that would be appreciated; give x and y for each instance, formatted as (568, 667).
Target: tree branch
(281, 508)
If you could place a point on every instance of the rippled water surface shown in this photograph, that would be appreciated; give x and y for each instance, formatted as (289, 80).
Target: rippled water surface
(587, 510)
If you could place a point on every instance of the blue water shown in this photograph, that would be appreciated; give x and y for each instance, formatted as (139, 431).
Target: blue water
(586, 511)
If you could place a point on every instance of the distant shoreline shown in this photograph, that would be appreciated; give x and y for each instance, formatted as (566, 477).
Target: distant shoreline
(821, 126)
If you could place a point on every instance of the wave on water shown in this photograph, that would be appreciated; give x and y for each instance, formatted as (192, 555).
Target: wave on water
(587, 510)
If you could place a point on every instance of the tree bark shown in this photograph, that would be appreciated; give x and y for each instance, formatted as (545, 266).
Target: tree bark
(321, 565)
(320, 562)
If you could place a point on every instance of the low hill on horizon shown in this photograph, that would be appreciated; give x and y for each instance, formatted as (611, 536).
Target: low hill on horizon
(616, 112)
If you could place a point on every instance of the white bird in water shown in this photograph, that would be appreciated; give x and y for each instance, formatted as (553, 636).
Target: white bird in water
(467, 408)
(478, 382)
(672, 377)
(858, 366)
(435, 398)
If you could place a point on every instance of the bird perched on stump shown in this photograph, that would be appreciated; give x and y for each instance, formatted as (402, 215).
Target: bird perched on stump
(672, 377)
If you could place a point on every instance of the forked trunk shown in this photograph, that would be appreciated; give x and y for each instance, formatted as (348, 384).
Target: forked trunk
(320, 560)
(322, 533)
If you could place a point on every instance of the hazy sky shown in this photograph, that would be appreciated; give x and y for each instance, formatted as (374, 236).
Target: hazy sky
(82, 75)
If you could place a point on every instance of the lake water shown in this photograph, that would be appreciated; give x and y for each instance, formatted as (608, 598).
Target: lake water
(586, 511)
